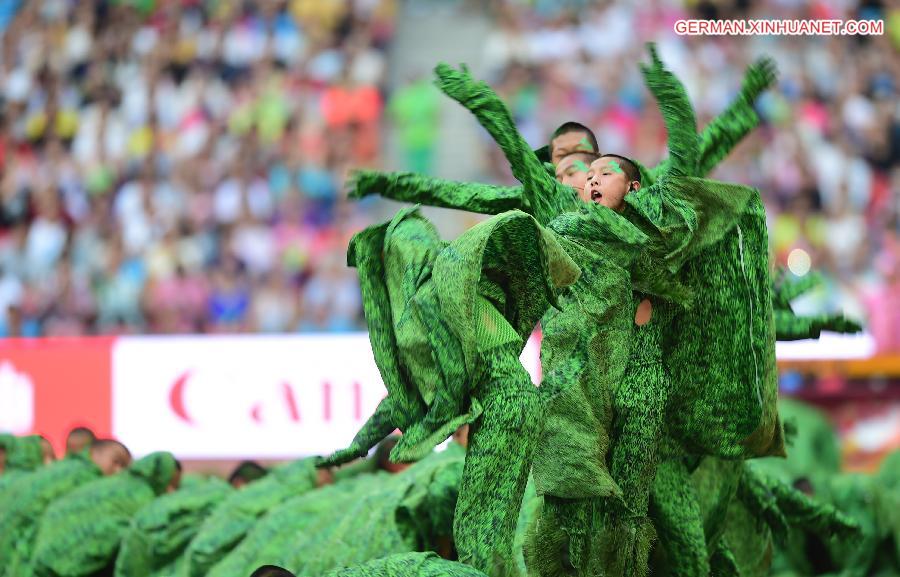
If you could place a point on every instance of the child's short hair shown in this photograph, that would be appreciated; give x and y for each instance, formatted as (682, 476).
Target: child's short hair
(632, 172)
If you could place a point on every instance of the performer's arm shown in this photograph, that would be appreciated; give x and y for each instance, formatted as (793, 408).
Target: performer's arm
(544, 197)
(678, 115)
(412, 187)
(721, 135)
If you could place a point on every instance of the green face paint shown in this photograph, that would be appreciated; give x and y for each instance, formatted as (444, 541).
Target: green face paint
(615, 167)
(583, 144)
(581, 166)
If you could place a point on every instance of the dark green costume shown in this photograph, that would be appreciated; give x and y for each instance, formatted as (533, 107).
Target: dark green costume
(789, 326)
(24, 504)
(161, 531)
(356, 520)
(80, 533)
(229, 523)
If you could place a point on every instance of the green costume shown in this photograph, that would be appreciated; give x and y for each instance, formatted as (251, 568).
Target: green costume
(355, 521)
(161, 531)
(23, 455)
(229, 523)
(24, 503)
(584, 420)
(80, 533)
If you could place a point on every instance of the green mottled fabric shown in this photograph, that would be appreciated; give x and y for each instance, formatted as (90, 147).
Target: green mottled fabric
(447, 322)
(229, 523)
(408, 565)
(721, 135)
(24, 504)
(23, 455)
(355, 521)
(80, 533)
(679, 239)
(161, 531)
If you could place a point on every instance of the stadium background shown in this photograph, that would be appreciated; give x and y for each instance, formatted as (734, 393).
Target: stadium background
(178, 167)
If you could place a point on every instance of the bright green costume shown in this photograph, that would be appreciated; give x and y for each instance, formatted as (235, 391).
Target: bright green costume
(229, 523)
(161, 531)
(583, 423)
(23, 455)
(24, 503)
(356, 520)
(80, 533)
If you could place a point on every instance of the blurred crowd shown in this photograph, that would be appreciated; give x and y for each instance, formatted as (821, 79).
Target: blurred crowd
(826, 157)
(177, 166)
(172, 167)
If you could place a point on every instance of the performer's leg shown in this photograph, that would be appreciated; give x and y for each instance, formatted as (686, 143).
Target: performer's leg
(679, 523)
(501, 444)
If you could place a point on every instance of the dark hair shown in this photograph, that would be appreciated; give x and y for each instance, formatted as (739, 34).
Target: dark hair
(247, 471)
(82, 431)
(178, 465)
(272, 571)
(573, 126)
(631, 170)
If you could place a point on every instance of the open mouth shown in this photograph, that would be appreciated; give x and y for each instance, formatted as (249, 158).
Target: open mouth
(596, 195)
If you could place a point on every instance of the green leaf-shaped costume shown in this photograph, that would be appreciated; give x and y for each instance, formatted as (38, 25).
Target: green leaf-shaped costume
(24, 503)
(229, 523)
(80, 533)
(788, 325)
(353, 521)
(162, 530)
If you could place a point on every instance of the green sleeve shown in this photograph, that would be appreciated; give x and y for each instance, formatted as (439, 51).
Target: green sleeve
(543, 197)
(721, 135)
(412, 187)
(678, 115)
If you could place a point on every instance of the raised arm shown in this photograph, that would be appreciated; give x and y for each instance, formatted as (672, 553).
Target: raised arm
(543, 196)
(727, 129)
(412, 187)
(678, 115)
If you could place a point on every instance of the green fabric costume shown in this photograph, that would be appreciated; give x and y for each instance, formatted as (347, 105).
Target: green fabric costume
(80, 533)
(536, 181)
(24, 503)
(447, 324)
(161, 531)
(408, 565)
(23, 455)
(356, 520)
(229, 523)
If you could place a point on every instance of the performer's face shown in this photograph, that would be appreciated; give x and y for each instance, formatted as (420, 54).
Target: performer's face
(607, 183)
(572, 171)
(568, 143)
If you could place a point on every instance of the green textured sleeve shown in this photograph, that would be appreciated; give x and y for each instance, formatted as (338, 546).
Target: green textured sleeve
(412, 187)
(543, 197)
(721, 135)
(678, 115)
